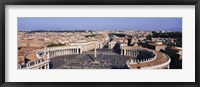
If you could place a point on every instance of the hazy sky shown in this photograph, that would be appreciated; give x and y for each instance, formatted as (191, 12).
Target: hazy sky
(98, 23)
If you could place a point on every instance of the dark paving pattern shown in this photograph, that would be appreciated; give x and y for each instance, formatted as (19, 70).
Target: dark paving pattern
(106, 59)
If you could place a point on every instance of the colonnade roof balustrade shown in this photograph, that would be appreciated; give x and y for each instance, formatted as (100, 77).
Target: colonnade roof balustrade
(136, 48)
(62, 48)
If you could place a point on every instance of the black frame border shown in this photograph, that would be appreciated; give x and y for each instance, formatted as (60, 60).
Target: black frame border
(99, 2)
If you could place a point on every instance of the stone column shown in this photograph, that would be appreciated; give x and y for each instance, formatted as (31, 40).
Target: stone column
(95, 51)
(77, 51)
(121, 51)
(36, 61)
(124, 51)
(48, 66)
(81, 50)
(45, 67)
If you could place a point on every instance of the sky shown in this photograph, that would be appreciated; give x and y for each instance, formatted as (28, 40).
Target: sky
(99, 23)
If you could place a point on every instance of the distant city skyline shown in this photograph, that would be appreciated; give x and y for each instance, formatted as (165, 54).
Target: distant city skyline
(99, 23)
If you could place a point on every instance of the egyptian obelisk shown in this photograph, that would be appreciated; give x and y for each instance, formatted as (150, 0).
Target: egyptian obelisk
(95, 52)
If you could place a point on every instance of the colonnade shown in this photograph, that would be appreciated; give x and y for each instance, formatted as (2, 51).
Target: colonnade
(37, 64)
(60, 52)
(131, 61)
(157, 61)
(45, 66)
(130, 52)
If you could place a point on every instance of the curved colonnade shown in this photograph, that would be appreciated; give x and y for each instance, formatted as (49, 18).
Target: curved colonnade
(43, 55)
(131, 61)
(60, 51)
(158, 60)
(40, 62)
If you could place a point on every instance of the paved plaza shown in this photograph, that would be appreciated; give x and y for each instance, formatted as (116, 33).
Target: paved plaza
(106, 59)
